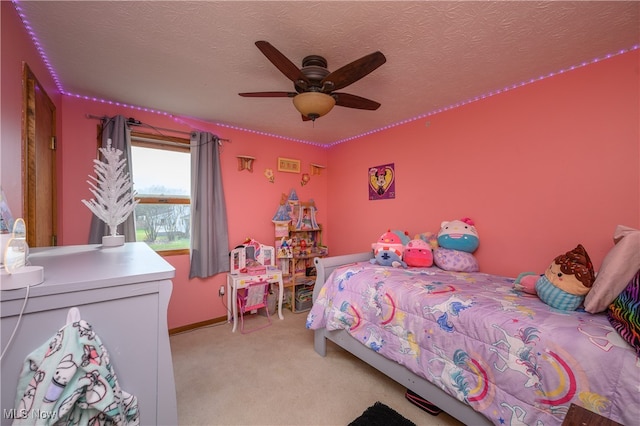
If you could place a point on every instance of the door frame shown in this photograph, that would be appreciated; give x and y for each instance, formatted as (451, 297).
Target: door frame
(29, 185)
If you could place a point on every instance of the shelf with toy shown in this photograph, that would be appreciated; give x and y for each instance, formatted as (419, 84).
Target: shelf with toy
(298, 240)
(305, 245)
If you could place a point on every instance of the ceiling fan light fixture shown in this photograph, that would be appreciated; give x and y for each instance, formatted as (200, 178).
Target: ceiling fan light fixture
(313, 104)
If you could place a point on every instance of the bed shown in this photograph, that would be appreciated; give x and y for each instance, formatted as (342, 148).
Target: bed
(472, 345)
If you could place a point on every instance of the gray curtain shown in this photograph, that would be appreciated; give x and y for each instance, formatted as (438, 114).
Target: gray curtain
(209, 235)
(117, 129)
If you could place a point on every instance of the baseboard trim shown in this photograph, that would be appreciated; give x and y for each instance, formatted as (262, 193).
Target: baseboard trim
(193, 326)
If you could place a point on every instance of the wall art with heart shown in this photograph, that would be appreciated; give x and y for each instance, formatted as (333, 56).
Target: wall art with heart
(382, 182)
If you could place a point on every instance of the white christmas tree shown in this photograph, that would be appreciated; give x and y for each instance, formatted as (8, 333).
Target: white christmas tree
(112, 189)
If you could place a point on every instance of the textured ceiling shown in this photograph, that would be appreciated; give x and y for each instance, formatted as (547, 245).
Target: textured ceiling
(193, 58)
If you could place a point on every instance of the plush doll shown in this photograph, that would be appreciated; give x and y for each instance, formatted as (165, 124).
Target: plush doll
(429, 238)
(457, 240)
(459, 235)
(418, 253)
(526, 282)
(403, 236)
(567, 280)
(388, 250)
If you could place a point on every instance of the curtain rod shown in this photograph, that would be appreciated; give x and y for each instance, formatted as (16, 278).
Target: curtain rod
(134, 122)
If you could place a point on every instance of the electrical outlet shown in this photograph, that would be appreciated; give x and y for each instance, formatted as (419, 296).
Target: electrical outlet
(221, 291)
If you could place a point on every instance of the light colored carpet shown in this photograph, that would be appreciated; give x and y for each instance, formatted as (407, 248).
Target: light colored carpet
(274, 377)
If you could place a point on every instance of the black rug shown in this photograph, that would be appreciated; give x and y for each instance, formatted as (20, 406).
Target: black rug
(381, 415)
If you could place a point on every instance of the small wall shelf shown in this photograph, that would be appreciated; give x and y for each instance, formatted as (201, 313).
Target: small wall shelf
(316, 169)
(245, 162)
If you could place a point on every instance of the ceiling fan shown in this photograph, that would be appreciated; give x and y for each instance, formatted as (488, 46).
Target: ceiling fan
(315, 86)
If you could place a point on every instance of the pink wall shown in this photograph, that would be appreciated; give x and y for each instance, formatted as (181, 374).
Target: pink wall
(251, 199)
(540, 169)
(16, 47)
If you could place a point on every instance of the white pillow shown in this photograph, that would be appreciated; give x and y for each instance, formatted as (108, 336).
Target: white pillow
(618, 267)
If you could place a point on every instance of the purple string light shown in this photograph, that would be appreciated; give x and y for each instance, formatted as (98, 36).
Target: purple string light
(487, 95)
(48, 65)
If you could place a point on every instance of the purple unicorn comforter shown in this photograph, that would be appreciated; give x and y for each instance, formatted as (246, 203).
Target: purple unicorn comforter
(507, 354)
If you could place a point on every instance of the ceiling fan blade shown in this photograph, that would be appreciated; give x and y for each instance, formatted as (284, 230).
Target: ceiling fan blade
(286, 67)
(350, 73)
(268, 94)
(353, 101)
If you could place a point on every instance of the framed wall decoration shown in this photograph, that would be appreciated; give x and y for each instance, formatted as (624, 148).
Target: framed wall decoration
(288, 165)
(382, 182)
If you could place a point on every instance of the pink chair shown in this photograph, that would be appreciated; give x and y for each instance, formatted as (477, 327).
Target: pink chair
(253, 297)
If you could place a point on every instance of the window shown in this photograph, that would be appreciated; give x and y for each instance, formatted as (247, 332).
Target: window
(162, 180)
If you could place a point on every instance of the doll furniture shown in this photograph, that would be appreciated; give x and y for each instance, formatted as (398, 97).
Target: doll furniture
(253, 297)
(251, 263)
(239, 281)
(250, 252)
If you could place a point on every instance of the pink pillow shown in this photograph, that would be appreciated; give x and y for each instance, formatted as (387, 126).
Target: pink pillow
(618, 267)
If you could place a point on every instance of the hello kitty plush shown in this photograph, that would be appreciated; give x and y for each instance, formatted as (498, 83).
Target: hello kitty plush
(457, 240)
(459, 235)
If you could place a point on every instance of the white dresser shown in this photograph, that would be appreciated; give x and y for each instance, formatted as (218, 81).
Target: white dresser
(123, 292)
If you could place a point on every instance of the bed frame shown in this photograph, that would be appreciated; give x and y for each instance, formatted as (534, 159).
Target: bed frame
(397, 372)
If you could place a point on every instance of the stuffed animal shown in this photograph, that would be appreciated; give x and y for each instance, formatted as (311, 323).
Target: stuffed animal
(388, 250)
(418, 253)
(457, 240)
(567, 280)
(429, 238)
(459, 235)
(526, 282)
(403, 236)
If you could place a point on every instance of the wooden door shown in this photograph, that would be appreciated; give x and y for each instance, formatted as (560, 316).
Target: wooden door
(39, 163)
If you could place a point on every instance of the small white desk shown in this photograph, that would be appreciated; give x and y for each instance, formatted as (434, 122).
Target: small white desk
(236, 281)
